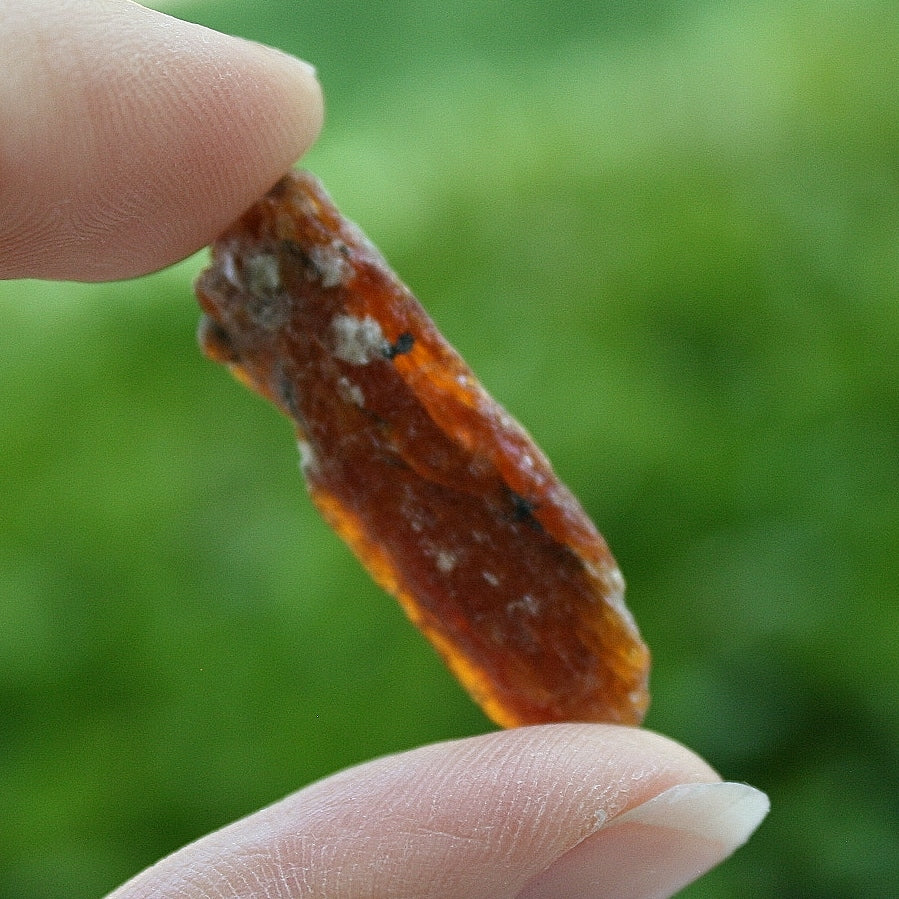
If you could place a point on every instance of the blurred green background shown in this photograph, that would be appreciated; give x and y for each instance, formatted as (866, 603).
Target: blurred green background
(666, 235)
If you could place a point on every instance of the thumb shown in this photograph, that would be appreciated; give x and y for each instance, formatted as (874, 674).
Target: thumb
(129, 139)
(558, 810)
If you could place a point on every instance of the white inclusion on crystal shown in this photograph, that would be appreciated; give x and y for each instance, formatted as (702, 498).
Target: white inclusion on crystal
(446, 561)
(612, 579)
(616, 580)
(230, 271)
(308, 459)
(527, 604)
(262, 274)
(491, 578)
(330, 263)
(530, 463)
(358, 340)
(350, 392)
(411, 511)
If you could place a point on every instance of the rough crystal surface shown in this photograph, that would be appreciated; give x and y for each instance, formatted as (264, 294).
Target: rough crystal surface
(440, 493)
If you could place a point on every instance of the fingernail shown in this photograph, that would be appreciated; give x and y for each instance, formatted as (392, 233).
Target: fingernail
(657, 848)
(300, 63)
(288, 60)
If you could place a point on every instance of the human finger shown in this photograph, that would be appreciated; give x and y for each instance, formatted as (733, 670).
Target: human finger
(555, 810)
(129, 139)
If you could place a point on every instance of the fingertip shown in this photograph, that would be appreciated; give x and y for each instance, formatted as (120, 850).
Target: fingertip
(130, 138)
(481, 816)
(278, 101)
(254, 111)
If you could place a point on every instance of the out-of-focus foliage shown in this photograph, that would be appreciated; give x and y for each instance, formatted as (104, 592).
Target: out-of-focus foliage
(667, 237)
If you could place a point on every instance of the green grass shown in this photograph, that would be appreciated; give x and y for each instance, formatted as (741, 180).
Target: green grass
(667, 237)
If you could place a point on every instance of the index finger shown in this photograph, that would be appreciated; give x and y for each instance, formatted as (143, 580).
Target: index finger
(129, 139)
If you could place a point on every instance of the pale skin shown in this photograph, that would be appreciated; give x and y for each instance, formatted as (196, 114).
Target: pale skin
(128, 140)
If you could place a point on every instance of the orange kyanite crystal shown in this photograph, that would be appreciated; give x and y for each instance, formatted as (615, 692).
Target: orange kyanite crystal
(440, 493)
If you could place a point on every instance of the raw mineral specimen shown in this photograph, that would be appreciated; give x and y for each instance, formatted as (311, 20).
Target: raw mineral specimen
(440, 493)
